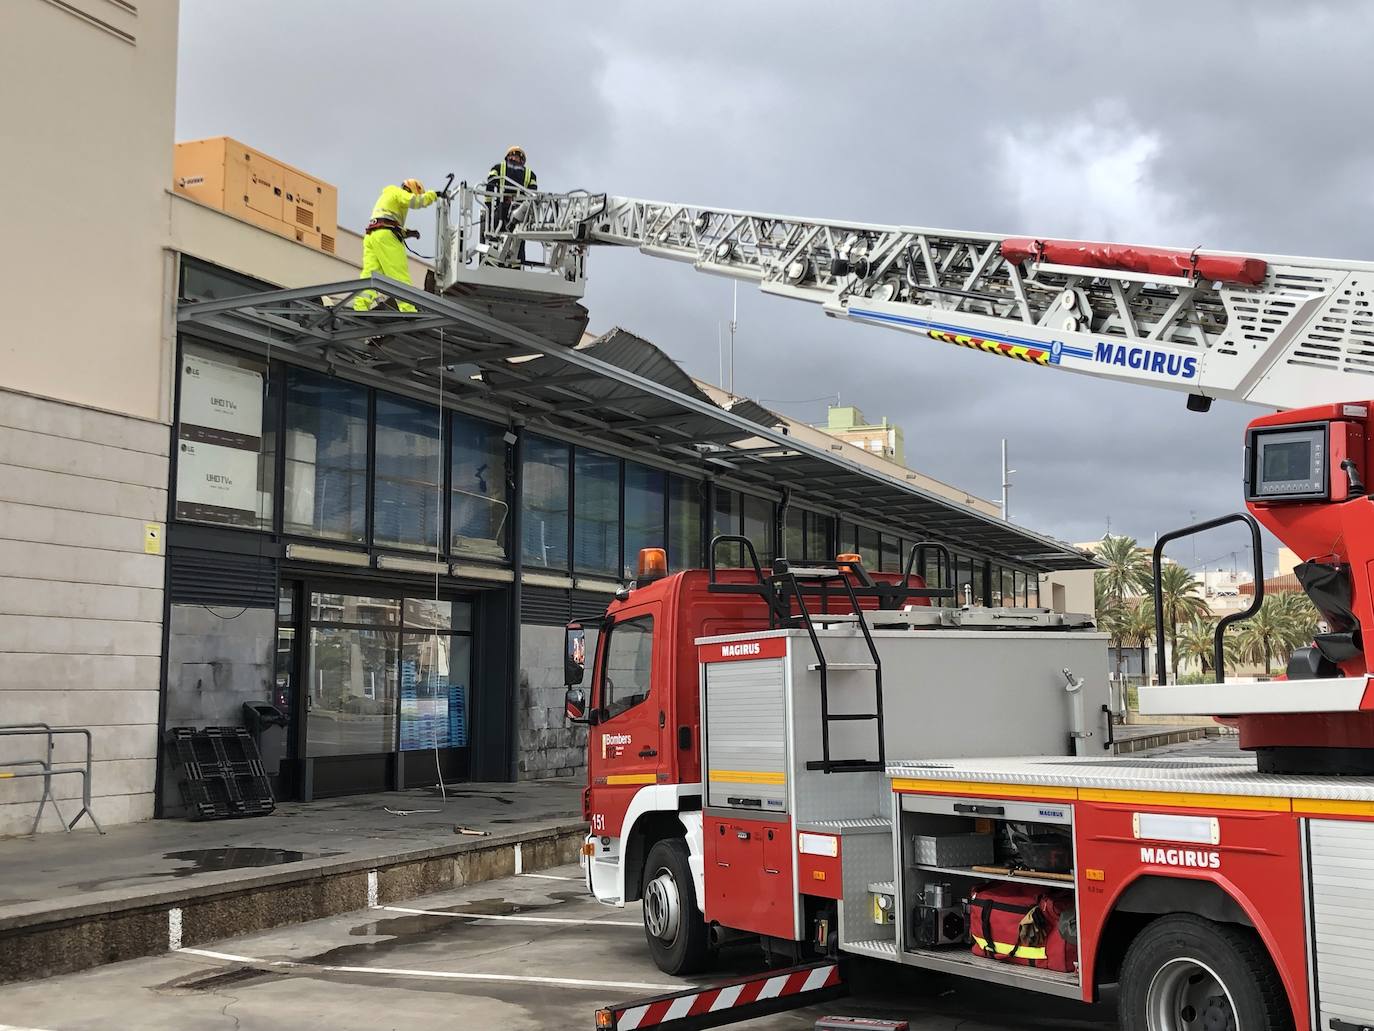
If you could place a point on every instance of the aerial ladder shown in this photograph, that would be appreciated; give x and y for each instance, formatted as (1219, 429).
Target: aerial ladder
(1214, 893)
(1282, 332)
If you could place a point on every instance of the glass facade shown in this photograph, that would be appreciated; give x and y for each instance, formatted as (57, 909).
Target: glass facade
(596, 513)
(315, 456)
(644, 513)
(407, 492)
(326, 458)
(818, 537)
(478, 502)
(757, 525)
(545, 501)
(684, 523)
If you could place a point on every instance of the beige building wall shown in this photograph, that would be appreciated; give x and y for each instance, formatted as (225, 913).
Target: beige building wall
(87, 159)
(85, 374)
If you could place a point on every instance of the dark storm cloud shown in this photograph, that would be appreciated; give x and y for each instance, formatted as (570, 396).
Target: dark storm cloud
(1231, 125)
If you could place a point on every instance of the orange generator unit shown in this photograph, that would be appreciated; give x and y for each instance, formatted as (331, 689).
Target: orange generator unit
(223, 173)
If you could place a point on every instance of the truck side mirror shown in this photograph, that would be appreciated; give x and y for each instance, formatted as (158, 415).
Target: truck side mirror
(574, 654)
(575, 705)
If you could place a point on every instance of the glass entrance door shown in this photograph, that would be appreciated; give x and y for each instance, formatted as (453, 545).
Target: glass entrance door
(385, 676)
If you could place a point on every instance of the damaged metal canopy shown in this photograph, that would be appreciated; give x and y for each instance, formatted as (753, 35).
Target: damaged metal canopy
(518, 356)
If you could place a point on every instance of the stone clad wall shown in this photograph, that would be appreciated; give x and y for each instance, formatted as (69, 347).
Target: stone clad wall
(81, 599)
(548, 745)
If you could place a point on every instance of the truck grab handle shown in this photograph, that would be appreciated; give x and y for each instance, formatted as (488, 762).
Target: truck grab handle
(727, 538)
(1219, 642)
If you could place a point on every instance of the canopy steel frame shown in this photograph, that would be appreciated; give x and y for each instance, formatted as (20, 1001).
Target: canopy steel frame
(481, 357)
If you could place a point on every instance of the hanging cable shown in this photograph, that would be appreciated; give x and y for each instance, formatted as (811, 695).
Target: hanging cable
(438, 553)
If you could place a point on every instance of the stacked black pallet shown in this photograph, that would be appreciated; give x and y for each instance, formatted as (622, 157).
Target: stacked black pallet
(222, 773)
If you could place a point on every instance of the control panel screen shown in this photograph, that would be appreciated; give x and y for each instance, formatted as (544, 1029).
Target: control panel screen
(1288, 463)
(1290, 460)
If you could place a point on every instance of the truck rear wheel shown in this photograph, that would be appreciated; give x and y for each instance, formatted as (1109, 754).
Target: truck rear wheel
(1184, 973)
(673, 924)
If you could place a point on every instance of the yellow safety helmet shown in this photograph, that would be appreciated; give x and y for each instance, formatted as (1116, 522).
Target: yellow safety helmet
(413, 185)
(516, 151)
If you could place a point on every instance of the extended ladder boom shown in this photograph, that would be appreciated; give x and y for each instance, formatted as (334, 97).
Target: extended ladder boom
(1276, 331)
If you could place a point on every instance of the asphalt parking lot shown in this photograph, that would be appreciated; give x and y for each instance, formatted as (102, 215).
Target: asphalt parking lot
(532, 951)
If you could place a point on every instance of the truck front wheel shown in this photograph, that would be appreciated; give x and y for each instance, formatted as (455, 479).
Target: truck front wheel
(1184, 973)
(673, 923)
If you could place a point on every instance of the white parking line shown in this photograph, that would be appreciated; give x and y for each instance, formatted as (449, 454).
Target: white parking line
(552, 877)
(11, 1027)
(450, 975)
(512, 918)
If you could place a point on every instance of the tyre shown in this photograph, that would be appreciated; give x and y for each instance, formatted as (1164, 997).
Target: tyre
(1184, 973)
(673, 924)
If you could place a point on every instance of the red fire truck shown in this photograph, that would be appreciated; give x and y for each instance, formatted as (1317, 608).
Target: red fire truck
(799, 753)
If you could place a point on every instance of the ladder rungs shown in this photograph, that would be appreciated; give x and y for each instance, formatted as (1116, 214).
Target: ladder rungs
(852, 716)
(843, 667)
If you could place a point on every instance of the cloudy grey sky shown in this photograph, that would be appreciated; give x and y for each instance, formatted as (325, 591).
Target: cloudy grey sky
(1240, 126)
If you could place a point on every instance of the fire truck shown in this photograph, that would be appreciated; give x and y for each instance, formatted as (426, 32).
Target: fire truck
(845, 763)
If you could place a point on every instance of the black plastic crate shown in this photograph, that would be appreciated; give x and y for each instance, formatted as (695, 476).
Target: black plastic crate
(222, 773)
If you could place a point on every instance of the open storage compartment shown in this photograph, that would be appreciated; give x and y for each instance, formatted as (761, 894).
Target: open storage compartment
(1015, 861)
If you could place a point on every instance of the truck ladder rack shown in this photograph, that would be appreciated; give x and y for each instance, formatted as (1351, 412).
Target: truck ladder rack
(787, 582)
(785, 590)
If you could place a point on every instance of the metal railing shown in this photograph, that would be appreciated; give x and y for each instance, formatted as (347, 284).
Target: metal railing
(47, 770)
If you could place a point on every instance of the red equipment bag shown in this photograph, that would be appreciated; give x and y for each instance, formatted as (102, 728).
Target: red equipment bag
(1023, 924)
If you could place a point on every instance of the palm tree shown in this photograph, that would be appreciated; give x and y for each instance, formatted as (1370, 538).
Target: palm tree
(1196, 641)
(1127, 573)
(1181, 595)
(1138, 627)
(1127, 569)
(1284, 622)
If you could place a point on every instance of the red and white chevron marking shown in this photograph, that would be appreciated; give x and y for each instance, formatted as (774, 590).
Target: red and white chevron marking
(712, 1000)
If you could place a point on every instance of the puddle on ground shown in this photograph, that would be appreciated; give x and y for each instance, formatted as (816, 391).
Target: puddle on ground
(414, 929)
(207, 860)
(217, 978)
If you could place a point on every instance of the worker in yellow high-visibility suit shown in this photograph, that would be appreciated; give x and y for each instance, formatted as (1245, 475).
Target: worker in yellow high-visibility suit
(384, 248)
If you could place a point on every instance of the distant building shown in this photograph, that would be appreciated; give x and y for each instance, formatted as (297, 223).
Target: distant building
(883, 439)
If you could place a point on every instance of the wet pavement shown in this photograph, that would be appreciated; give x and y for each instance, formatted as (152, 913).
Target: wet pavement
(58, 871)
(525, 952)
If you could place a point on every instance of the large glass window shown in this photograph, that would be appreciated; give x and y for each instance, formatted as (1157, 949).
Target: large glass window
(794, 535)
(545, 499)
(818, 538)
(758, 527)
(893, 559)
(351, 707)
(480, 512)
(969, 588)
(684, 523)
(725, 520)
(326, 457)
(644, 500)
(866, 544)
(629, 663)
(596, 518)
(374, 659)
(226, 441)
(407, 494)
(1008, 588)
(436, 665)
